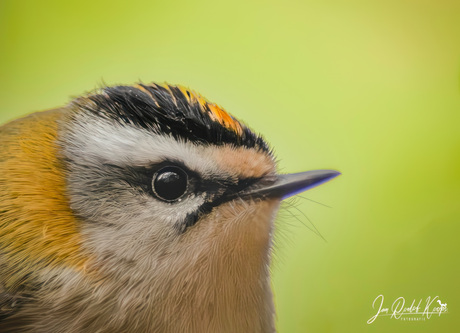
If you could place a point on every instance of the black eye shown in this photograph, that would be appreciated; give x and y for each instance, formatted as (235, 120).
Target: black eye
(170, 183)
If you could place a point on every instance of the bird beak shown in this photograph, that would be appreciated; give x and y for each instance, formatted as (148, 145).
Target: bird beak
(285, 186)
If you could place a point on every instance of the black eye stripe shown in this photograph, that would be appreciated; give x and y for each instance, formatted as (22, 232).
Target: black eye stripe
(229, 193)
(217, 190)
(141, 177)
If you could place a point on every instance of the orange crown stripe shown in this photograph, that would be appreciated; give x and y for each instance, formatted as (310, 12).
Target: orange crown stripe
(215, 112)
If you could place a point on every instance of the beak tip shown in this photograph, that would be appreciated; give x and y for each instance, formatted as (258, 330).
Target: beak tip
(333, 174)
(308, 180)
(322, 176)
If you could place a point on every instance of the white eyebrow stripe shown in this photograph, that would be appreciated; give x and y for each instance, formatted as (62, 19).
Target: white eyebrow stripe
(100, 139)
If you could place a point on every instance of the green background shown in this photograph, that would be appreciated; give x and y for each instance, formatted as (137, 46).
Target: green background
(370, 88)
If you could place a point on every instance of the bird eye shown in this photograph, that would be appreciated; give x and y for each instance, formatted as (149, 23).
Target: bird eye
(170, 183)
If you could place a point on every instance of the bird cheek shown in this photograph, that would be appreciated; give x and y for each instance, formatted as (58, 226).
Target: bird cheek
(238, 227)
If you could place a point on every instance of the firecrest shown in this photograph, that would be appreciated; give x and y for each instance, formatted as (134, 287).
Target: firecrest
(140, 208)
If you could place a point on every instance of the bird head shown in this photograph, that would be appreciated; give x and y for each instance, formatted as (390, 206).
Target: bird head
(153, 191)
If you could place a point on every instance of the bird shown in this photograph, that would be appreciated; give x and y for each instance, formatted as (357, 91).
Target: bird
(139, 208)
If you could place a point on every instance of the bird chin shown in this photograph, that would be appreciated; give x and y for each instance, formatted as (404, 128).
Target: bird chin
(229, 251)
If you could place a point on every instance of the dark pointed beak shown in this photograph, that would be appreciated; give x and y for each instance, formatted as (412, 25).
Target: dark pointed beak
(285, 186)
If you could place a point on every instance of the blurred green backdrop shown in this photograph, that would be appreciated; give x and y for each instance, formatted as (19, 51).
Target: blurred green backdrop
(370, 88)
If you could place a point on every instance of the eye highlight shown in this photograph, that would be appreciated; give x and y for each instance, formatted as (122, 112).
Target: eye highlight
(170, 183)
